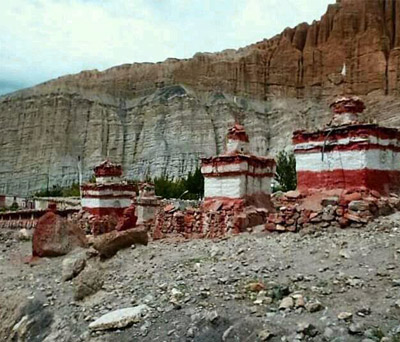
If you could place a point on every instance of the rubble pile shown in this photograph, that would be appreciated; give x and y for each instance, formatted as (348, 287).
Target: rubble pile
(191, 223)
(355, 208)
(226, 218)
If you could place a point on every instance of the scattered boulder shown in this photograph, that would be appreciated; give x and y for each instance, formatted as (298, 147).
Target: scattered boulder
(314, 306)
(24, 235)
(55, 235)
(24, 318)
(88, 282)
(286, 303)
(265, 335)
(307, 329)
(110, 243)
(119, 319)
(73, 265)
(355, 329)
(298, 301)
(255, 287)
(345, 316)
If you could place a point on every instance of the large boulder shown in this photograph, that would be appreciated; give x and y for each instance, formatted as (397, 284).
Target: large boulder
(55, 236)
(24, 318)
(121, 318)
(110, 243)
(88, 282)
(73, 264)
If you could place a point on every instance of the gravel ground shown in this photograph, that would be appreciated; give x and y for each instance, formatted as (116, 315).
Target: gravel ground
(332, 285)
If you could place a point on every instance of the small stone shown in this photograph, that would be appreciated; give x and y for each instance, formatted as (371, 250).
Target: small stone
(314, 306)
(226, 333)
(329, 201)
(176, 294)
(364, 312)
(293, 194)
(286, 303)
(358, 205)
(307, 329)
(355, 329)
(345, 316)
(190, 333)
(299, 301)
(255, 287)
(212, 316)
(265, 335)
(328, 333)
(24, 235)
(344, 254)
(280, 228)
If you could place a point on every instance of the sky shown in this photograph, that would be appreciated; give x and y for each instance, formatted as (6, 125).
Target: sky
(45, 39)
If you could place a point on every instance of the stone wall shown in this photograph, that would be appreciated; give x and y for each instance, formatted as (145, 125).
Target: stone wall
(295, 212)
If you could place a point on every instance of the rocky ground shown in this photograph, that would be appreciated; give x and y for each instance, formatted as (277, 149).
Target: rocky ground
(331, 285)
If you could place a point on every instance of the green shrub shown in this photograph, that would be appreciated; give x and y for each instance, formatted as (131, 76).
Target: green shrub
(191, 187)
(72, 191)
(194, 184)
(58, 191)
(285, 174)
(14, 206)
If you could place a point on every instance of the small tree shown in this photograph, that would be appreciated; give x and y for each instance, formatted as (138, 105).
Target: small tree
(194, 184)
(286, 171)
(191, 187)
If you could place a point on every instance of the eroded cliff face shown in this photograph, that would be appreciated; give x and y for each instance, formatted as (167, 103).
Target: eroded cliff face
(160, 118)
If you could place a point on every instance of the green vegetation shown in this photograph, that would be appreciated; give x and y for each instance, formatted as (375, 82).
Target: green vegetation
(58, 191)
(192, 187)
(14, 206)
(285, 174)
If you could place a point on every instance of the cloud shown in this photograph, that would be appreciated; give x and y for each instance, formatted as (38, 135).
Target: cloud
(44, 39)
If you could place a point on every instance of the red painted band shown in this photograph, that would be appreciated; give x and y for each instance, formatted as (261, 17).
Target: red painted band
(111, 196)
(351, 131)
(104, 211)
(254, 161)
(238, 173)
(114, 187)
(239, 136)
(383, 181)
(352, 146)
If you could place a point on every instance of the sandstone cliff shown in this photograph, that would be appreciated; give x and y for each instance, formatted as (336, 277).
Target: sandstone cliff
(160, 118)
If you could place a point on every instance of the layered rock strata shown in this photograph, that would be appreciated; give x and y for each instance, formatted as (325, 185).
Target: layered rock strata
(161, 118)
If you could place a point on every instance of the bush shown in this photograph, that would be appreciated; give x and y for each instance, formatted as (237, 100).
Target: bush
(72, 191)
(285, 174)
(58, 191)
(192, 187)
(14, 206)
(194, 184)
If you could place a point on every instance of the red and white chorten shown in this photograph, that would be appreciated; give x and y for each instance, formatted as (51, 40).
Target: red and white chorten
(347, 153)
(146, 203)
(110, 194)
(237, 174)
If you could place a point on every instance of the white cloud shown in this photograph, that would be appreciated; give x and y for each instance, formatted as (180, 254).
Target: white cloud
(42, 39)
(259, 19)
